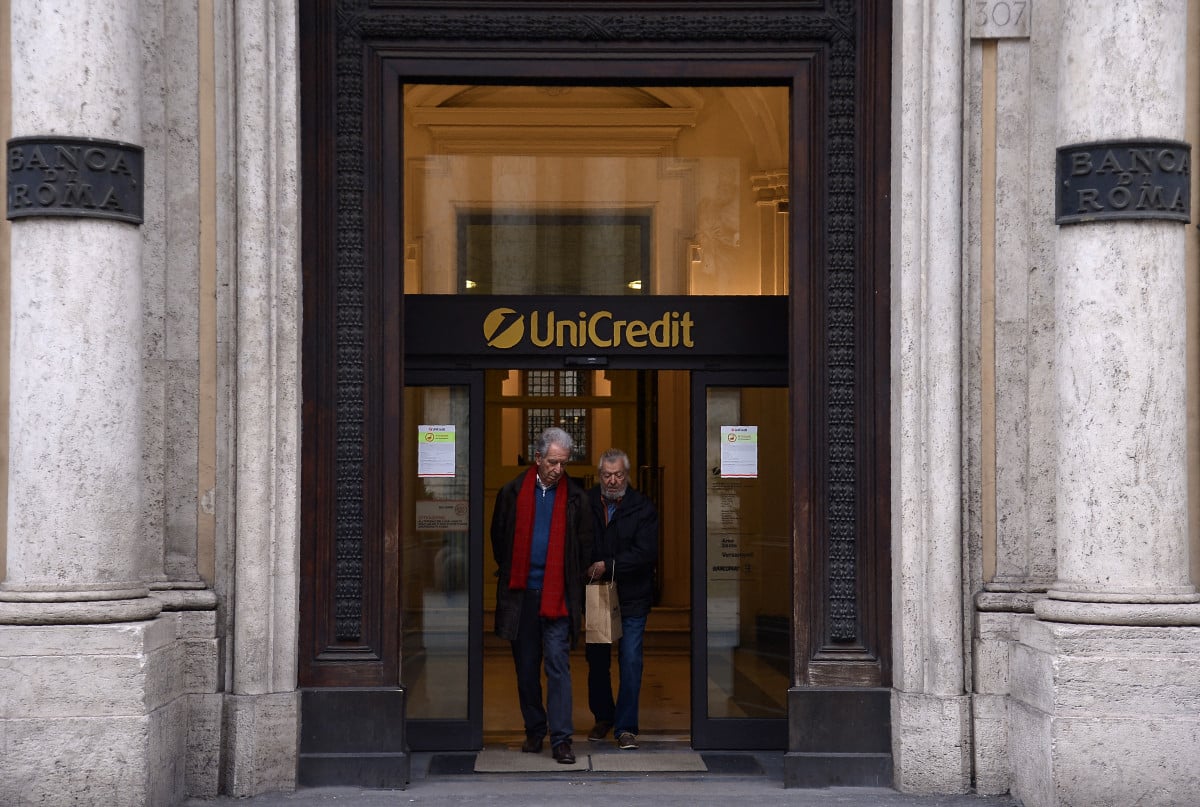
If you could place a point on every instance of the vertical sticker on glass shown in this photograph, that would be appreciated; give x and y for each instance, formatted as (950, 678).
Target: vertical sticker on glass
(435, 451)
(739, 452)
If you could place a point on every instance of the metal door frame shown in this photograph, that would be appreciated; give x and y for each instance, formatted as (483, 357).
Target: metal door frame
(720, 733)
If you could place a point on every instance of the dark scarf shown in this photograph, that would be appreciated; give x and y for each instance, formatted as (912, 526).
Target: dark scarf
(554, 601)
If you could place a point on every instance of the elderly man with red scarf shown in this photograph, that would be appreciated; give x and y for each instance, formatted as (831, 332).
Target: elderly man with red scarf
(542, 542)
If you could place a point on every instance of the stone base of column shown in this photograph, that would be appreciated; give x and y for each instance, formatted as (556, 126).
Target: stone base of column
(94, 714)
(931, 743)
(262, 739)
(996, 621)
(87, 606)
(1104, 714)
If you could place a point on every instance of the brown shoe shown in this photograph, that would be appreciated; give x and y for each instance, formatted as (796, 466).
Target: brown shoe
(532, 745)
(599, 731)
(563, 753)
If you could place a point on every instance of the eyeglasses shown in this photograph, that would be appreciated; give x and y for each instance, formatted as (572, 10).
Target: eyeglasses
(609, 476)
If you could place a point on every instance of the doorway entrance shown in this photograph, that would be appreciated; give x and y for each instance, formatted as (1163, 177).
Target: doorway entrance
(545, 188)
(716, 647)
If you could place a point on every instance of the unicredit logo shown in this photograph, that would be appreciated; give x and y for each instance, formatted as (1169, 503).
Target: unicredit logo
(505, 328)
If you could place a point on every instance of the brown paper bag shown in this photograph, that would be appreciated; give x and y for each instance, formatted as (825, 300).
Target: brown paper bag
(602, 612)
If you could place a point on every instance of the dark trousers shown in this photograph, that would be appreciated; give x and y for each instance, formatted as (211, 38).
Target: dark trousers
(541, 639)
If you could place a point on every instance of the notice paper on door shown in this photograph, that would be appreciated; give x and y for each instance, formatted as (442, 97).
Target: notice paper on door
(435, 451)
(739, 452)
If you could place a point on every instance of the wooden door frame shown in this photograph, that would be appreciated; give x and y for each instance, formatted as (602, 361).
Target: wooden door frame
(355, 57)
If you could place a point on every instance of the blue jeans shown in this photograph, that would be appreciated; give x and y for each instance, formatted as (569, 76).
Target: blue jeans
(624, 713)
(549, 639)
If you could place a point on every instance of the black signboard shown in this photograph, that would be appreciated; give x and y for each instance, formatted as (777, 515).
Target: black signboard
(592, 330)
(75, 176)
(1124, 179)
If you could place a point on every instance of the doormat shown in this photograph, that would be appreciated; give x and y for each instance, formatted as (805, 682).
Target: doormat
(649, 762)
(494, 760)
(499, 760)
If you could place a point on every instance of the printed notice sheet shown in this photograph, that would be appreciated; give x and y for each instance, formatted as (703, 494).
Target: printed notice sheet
(442, 516)
(435, 451)
(739, 452)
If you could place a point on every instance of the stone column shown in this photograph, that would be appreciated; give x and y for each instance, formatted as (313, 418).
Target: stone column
(74, 548)
(1104, 678)
(259, 42)
(1121, 324)
(930, 711)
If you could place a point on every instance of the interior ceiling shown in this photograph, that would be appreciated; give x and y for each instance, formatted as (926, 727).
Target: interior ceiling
(756, 114)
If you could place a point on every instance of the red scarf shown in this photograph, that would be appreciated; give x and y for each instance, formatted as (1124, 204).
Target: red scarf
(554, 601)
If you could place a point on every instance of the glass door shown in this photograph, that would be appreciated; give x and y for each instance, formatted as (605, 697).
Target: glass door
(742, 565)
(441, 560)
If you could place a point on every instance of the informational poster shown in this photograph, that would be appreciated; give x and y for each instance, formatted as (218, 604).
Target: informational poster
(739, 452)
(732, 553)
(435, 451)
(442, 516)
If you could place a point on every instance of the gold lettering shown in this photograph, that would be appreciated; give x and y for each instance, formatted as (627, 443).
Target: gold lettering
(594, 334)
(566, 327)
(600, 329)
(548, 337)
(660, 332)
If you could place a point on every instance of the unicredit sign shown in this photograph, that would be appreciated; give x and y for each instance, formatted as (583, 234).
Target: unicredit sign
(649, 330)
(505, 328)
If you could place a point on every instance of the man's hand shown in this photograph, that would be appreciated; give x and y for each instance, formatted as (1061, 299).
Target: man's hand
(596, 570)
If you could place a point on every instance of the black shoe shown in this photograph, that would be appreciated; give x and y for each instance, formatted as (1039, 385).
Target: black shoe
(532, 745)
(627, 741)
(599, 731)
(563, 753)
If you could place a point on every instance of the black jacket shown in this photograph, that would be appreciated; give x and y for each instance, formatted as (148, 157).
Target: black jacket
(628, 545)
(576, 555)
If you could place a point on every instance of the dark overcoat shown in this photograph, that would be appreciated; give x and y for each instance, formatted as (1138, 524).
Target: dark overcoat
(628, 545)
(576, 554)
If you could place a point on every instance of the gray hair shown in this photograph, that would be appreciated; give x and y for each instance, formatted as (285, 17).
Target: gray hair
(613, 454)
(556, 437)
